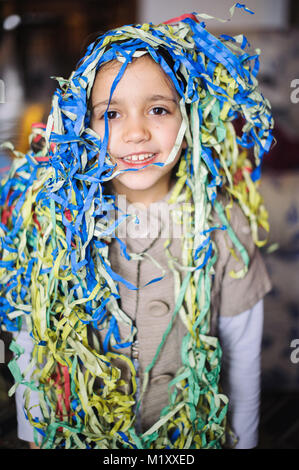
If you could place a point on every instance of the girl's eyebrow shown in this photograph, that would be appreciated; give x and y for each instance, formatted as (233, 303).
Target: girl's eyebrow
(150, 98)
(162, 98)
(103, 103)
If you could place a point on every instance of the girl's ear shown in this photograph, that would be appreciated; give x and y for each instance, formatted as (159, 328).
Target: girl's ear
(184, 144)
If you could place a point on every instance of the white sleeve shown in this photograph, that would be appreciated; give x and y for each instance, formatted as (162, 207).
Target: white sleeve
(240, 338)
(25, 430)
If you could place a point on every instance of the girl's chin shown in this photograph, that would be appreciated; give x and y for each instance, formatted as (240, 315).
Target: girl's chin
(139, 182)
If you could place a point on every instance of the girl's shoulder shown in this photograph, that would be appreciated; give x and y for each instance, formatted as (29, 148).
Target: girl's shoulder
(241, 278)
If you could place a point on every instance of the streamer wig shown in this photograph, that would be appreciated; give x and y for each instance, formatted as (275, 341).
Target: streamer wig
(55, 273)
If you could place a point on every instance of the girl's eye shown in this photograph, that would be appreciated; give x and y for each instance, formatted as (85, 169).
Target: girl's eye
(112, 115)
(159, 111)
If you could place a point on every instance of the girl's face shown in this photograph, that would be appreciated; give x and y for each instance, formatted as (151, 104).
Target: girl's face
(144, 120)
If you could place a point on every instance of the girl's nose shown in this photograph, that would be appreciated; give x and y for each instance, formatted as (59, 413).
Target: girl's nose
(135, 130)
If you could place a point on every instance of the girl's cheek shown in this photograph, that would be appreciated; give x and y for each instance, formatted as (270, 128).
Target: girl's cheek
(98, 128)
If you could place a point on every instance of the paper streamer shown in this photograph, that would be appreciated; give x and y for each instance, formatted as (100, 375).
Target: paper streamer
(56, 227)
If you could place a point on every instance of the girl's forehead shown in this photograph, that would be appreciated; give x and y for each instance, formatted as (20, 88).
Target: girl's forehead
(141, 68)
(113, 66)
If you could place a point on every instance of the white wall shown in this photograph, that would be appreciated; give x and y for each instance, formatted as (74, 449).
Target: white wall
(269, 14)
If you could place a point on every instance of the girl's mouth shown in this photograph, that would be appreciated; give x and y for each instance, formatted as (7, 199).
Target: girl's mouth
(139, 160)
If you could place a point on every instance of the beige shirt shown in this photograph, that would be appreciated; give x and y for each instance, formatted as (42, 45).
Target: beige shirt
(151, 306)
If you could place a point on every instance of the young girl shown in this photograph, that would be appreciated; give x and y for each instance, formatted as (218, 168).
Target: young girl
(127, 252)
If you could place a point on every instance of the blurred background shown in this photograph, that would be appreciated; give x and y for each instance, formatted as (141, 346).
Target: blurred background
(39, 40)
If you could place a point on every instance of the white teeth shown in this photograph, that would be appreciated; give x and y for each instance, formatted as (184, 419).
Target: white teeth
(141, 157)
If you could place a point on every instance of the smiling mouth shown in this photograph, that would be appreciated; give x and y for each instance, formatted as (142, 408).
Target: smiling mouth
(137, 159)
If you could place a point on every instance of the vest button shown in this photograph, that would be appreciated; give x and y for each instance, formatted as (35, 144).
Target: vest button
(158, 308)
